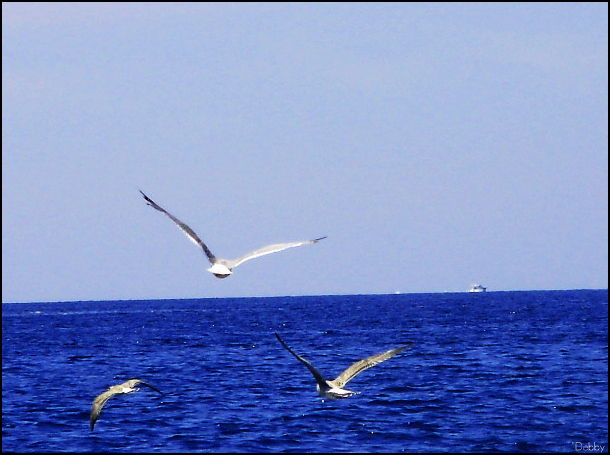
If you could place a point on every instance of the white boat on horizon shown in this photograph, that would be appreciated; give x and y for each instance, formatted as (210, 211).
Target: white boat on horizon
(477, 288)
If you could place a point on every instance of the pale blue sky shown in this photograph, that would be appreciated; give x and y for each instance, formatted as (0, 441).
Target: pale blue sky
(437, 145)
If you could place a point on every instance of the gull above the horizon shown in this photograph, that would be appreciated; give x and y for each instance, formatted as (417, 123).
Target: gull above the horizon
(222, 268)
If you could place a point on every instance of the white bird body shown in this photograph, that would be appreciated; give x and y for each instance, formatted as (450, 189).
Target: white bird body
(222, 268)
(334, 392)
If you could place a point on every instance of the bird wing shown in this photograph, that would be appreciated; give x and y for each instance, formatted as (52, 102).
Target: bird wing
(149, 386)
(101, 400)
(187, 230)
(268, 250)
(316, 374)
(362, 365)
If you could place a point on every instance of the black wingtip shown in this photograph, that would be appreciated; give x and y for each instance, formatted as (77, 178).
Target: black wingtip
(144, 195)
(148, 200)
(151, 387)
(280, 340)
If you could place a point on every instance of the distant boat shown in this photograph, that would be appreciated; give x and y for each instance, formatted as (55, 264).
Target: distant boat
(477, 288)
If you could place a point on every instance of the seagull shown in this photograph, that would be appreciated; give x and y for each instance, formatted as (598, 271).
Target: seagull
(119, 389)
(222, 268)
(334, 389)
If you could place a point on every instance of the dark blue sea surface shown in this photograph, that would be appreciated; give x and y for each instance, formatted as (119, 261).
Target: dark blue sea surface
(488, 372)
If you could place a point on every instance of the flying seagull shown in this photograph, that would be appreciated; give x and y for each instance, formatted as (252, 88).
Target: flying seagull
(119, 389)
(222, 268)
(334, 389)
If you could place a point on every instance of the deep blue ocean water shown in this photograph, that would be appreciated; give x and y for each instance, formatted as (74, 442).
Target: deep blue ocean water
(489, 372)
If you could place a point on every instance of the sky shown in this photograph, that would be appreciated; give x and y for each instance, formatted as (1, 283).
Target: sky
(437, 145)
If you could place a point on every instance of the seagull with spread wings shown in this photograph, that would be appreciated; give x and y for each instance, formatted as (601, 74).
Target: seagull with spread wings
(334, 389)
(222, 268)
(119, 389)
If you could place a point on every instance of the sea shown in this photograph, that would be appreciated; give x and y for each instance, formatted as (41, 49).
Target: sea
(522, 371)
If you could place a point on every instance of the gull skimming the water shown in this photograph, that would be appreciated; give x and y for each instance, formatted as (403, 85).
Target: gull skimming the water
(119, 389)
(222, 268)
(334, 388)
